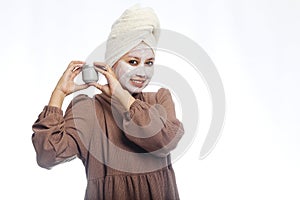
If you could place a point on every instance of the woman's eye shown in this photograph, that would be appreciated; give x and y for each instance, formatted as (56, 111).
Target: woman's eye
(133, 62)
(149, 63)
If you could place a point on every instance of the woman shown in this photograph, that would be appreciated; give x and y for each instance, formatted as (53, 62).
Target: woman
(123, 136)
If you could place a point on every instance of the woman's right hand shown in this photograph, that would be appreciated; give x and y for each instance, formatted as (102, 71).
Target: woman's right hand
(66, 84)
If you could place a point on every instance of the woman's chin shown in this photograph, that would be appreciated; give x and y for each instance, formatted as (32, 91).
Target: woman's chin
(133, 89)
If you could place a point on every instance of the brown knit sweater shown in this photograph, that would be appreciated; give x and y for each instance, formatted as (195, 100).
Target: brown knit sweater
(126, 154)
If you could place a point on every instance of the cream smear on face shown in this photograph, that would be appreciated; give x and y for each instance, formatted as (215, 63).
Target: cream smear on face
(135, 76)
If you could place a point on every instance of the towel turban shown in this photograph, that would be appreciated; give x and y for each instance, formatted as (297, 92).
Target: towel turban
(134, 26)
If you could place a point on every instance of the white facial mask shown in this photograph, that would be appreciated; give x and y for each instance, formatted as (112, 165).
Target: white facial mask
(135, 78)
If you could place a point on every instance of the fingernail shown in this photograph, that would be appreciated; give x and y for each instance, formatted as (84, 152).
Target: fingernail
(102, 67)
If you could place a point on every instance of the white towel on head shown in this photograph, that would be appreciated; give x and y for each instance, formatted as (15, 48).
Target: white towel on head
(135, 25)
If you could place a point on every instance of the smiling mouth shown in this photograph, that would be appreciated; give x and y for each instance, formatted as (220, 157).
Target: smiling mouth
(137, 82)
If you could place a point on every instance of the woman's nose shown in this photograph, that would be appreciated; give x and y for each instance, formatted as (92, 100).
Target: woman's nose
(140, 71)
(141, 75)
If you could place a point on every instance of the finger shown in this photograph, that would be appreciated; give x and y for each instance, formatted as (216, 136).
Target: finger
(76, 72)
(96, 85)
(102, 66)
(104, 69)
(104, 72)
(109, 69)
(112, 72)
(75, 64)
(80, 87)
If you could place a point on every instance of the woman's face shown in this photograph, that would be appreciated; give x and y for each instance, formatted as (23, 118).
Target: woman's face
(135, 69)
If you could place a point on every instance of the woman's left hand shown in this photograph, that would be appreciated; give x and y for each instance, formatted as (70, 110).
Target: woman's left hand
(113, 86)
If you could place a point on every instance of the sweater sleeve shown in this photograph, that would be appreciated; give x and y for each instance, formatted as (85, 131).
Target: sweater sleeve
(56, 138)
(154, 128)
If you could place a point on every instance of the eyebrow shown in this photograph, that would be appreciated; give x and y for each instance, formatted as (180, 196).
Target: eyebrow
(152, 58)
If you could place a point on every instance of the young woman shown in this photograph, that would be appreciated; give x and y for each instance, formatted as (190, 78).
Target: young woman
(122, 135)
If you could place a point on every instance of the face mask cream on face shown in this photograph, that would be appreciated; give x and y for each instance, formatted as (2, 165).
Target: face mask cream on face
(135, 77)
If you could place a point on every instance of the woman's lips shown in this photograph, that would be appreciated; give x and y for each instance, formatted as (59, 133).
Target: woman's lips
(137, 82)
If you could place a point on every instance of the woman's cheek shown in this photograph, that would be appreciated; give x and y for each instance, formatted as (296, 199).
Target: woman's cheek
(149, 72)
(123, 69)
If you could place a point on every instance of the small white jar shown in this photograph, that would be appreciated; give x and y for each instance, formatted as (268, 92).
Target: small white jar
(89, 74)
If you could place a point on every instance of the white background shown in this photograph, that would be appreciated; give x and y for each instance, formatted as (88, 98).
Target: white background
(254, 45)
